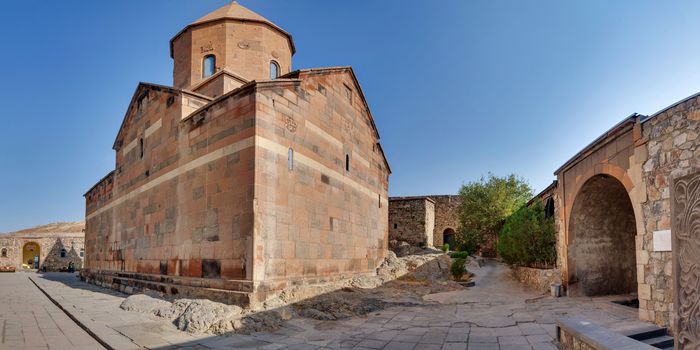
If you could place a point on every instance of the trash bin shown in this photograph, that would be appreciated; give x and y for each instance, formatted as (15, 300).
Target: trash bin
(556, 289)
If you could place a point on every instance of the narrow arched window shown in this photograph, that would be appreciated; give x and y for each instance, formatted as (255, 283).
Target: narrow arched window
(82, 252)
(208, 66)
(141, 148)
(3, 253)
(290, 159)
(274, 70)
(63, 253)
(347, 162)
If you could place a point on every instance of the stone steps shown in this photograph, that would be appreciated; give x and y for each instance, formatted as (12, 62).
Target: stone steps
(655, 336)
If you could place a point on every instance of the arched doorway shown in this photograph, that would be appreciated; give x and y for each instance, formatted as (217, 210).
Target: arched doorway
(602, 232)
(448, 237)
(30, 255)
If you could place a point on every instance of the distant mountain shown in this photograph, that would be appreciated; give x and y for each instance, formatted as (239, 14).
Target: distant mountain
(56, 227)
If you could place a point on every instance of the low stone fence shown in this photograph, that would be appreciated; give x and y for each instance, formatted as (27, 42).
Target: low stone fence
(579, 334)
(537, 279)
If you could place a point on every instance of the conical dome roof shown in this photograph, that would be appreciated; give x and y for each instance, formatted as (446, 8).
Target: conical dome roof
(234, 11)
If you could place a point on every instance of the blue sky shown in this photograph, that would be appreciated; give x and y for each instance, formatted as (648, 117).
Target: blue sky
(457, 88)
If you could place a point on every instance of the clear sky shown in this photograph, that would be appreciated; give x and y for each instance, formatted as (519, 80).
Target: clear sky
(457, 88)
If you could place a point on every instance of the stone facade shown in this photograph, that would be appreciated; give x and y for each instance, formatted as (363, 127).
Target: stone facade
(412, 220)
(446, 218)
(423, 220)
(613, 207)
(55, 250)
(235, 195)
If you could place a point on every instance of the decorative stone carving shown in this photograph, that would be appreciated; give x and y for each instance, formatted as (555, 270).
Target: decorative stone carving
(685, 212)
(207, 47)
(290, 124)
(243, 45)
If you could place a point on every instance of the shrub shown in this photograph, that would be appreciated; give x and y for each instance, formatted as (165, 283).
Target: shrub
(457, 269)
(469, 240)
(445, 247)
(485, 205)
(528, 238)
(459, 255)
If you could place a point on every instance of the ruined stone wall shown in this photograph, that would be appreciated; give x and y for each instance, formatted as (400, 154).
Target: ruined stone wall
(446, 217)
(321, 183)
(408, 220)
(10, 252)
(539, 280)
(673, 151)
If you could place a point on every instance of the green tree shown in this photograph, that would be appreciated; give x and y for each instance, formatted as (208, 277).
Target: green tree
(485, 205)
(528, 238)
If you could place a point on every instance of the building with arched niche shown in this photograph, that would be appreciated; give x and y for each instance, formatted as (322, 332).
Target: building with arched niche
(626, 217)
(49, 247)
(427, 221)
(242, 179)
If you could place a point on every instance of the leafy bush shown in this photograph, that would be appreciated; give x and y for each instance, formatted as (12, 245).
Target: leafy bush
(485, 205)
(445, 247)
(459, 255)
(457, 269)
(528, 238)
(469, 240)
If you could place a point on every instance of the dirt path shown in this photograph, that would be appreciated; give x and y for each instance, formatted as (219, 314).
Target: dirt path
(494, 285)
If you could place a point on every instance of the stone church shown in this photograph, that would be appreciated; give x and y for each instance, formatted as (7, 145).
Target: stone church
(243, 178)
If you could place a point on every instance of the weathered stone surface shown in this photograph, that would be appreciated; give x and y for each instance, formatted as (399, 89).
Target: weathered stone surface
(602, 232)
(538, 280)
(147, 304)
(424, 220)
(201, 315)
(412, 220)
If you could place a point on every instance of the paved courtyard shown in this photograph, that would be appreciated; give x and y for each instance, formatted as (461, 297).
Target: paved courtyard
(29, 320)
(496, 314)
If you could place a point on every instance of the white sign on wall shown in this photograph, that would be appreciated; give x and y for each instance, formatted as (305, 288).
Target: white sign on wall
(662, 241)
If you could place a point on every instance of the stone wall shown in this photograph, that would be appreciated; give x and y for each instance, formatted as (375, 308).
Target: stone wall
(412, 220)
(446, 217)
(258, 190)
(673, 150)
(56, 251)
(603, 229)
(537, 279)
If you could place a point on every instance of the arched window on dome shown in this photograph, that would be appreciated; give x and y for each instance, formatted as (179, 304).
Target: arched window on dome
(274, 70)
(208, 66)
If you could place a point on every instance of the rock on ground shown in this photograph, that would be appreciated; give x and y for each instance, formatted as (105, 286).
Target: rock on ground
(201, 315)
(146, 304)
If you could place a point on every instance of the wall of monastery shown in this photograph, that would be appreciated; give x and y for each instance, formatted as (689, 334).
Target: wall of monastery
(409, 220)
(321, 183)
(673, 151)
(446, 217)
(245, 48)
(51, 249)
(185, 208)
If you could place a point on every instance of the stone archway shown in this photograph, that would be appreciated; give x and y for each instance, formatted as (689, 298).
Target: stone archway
(602, 230)
(448, 237)
(31, 255)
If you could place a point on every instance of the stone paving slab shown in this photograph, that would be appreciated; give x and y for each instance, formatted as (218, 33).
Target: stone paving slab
(29, 320)
(508, 318)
